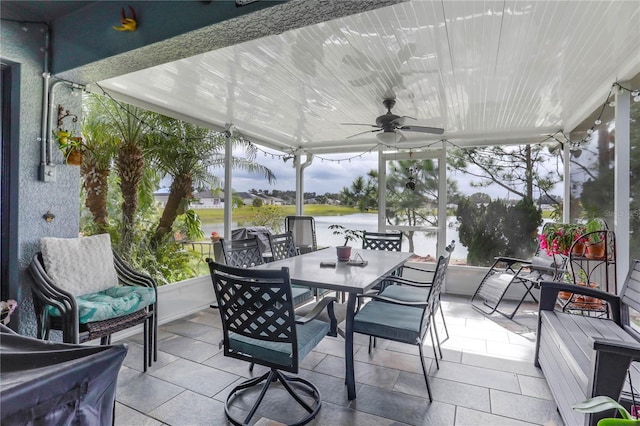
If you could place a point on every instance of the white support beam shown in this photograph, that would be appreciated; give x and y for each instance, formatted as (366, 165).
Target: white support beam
(228, 192)
(621, 197)
(442, 200)
(566, 202)
(382, 190)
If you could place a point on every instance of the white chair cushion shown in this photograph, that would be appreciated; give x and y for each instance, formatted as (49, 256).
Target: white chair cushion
(80, 265)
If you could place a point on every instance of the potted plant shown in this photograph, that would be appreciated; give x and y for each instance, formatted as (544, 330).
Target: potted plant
(344, 251)
(602, 403)
(595, 243)
(558, 238)
(71, 146)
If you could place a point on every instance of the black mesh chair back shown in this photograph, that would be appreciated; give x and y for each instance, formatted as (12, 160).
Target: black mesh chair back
(304, 232)
(391, 241)
(282, 246)
(256, 306)
(259, 326)
(242, 253)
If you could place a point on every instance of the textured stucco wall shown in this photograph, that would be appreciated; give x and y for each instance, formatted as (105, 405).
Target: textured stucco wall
(23, 49)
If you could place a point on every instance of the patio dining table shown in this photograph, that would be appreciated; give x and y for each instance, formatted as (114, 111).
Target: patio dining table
(307, 270)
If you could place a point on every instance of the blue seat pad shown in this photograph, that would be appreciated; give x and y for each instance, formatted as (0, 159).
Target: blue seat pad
(406, 293)
(389, 321)
(111, 303)
(309, 335)
(300, 294)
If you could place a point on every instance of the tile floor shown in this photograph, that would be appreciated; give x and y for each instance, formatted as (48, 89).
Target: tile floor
(487, 377)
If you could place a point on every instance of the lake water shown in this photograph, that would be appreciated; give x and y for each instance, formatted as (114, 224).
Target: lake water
(425, 243)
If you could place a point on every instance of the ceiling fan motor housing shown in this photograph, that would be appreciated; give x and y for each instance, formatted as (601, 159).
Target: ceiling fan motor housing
(385, 121)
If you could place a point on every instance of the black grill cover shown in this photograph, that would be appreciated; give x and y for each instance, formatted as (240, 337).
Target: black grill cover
(46, 383)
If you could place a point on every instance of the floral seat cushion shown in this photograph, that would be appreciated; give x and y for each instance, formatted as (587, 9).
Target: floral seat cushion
(111, 303)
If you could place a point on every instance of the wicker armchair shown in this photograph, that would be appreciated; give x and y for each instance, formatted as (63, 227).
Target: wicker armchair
(58, 309)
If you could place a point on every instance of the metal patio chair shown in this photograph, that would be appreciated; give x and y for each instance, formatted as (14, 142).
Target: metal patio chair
(260, 326)
(304, 232)
(401, 321)
(242, 253)
(408, 290)
(506, 271)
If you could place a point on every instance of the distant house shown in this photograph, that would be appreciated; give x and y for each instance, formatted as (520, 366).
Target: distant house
(247, 198)
(161, 196)
(206, 200)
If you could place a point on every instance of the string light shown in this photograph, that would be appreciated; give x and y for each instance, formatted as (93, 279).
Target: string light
(575, 144)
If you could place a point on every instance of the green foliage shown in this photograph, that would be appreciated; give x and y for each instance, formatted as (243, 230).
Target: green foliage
(257, 202)
(166, 263)
(520, 169)
(601, 403)
(348, 234)
(270, 216)
(495, 229)
(363, 192)
(190, 225)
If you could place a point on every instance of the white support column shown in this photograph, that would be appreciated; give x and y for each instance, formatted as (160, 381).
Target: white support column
(382, 189)
(300, 166)
(566, 202)
(297, 161)
(442, 201)
(621, 190)
(228, 192)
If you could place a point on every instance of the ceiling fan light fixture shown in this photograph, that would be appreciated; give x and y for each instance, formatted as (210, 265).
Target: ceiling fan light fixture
(388, 138)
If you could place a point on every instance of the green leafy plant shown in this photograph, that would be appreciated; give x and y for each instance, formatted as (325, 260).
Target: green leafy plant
(68, 143)
(349, 234)
(598, 404)
(592, 228)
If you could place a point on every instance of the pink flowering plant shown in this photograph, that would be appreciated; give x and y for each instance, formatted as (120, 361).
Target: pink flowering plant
(6, 309)
(558, 238)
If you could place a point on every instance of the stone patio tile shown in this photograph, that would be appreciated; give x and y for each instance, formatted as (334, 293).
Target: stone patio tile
(196, 377)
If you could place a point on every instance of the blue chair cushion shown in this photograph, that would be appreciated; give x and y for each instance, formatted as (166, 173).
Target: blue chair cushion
(406, 293)
(309, 335)
(300, 294)
(389, 321)
(111, 303)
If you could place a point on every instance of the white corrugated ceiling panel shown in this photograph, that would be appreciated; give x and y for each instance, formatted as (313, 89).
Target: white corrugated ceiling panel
(486, 71)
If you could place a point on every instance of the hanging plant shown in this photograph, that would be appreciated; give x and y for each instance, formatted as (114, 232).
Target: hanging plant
(71, 146)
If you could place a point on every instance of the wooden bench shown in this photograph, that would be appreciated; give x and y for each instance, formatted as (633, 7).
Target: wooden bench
(586, 356)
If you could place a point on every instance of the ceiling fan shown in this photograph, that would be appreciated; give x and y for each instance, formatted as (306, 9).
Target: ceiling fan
(389, 127)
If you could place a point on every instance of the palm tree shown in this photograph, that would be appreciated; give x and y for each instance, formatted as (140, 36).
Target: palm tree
(128, 125)
(99, 152)
(186, 152)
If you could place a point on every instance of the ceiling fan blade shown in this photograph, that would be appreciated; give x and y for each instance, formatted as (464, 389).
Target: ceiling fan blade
(362, 133)
(399, 122)
(423, 129)
(358, 124)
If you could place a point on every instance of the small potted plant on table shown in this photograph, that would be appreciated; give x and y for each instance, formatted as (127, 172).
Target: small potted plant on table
(344, 251)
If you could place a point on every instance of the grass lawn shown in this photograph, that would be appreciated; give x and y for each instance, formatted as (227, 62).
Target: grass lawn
(246, 213)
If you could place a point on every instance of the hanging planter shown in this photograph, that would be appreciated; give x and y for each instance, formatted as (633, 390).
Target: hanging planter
(74, 157)
(71, 146)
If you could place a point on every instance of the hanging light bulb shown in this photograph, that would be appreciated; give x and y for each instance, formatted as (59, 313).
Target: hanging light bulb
(635, 93)
(636, 98)
(589, 131)
(598, 122)
(612, 104)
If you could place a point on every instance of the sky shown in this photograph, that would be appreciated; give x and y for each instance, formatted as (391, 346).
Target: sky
(331, 176)
(321, 176)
